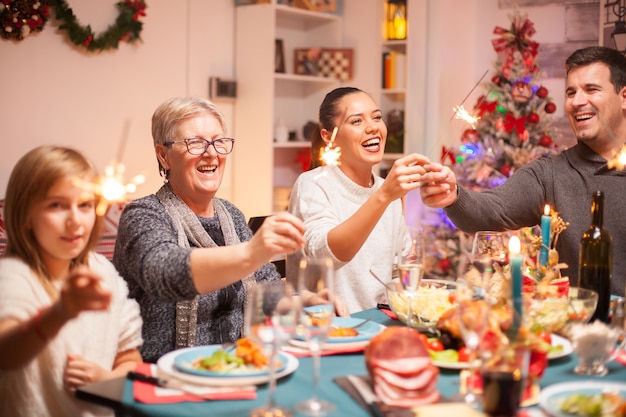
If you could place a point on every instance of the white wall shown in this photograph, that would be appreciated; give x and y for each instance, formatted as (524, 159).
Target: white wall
(54, 93)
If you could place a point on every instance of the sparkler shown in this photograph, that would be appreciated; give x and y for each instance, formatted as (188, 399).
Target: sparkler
(331, 153)
(111, 187)
(462, 114)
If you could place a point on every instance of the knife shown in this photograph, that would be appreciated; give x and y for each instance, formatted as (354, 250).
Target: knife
(367, 395)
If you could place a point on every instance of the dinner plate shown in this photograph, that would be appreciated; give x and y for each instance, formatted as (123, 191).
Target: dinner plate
(366, 332)
(165, 365)
(184, 362)
(556, 341)
(552, 395)
(565, 350)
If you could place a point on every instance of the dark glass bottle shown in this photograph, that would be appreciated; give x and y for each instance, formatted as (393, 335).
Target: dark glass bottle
(596, 248)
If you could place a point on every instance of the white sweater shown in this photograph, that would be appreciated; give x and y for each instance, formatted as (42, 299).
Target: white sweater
(324, 198)
(37, 389)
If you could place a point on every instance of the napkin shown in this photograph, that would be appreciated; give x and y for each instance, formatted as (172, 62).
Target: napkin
(151, 394)
(387, 310)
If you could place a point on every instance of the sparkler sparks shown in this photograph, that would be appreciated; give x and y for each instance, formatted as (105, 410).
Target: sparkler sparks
(462, 114)
(111, 187)
(331, 153)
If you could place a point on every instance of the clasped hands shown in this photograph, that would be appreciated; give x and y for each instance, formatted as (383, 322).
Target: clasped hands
(437, 182)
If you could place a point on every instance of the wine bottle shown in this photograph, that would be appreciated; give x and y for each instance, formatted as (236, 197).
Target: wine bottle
(596, 247)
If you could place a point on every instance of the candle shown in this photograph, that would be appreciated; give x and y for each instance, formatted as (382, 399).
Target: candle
(545, 236)
(516, 282)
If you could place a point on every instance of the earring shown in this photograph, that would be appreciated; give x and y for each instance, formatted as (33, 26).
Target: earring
(164, 173)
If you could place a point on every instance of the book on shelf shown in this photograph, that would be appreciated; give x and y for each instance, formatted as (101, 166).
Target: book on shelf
(394, 70)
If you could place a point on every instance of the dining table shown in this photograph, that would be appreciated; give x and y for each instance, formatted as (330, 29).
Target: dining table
(297, 386)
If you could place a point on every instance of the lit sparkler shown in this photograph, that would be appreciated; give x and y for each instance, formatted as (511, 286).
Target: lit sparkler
(111, 187)
(462, 114)
(331, 153)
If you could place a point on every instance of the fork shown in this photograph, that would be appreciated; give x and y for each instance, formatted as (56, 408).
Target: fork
(356, 326)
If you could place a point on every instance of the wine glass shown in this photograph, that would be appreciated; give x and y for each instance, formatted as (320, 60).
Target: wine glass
(488, 245)
(411, 269)
(270, 321)
(473, 317)
(316, 288)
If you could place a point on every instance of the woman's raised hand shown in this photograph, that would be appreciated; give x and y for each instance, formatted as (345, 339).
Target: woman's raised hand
(282, 233)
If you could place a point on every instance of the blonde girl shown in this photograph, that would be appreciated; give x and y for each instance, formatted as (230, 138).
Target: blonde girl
(65, 318)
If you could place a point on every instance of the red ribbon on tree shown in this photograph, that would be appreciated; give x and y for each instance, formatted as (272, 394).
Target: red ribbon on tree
(511, 122)
(486, 107)
(447, 154)
(517, 38)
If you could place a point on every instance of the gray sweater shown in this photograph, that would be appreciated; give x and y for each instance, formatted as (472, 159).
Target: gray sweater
(566, 182)
(158, 273)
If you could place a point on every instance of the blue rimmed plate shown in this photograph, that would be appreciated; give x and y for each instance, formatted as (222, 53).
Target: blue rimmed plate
(186, 362)
(551, 396)
(366, 331)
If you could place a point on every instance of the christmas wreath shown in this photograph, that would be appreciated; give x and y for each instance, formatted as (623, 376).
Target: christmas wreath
(19, 18)
(126, 28)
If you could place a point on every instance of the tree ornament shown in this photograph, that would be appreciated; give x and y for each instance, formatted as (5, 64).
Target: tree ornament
(445, 264)
(470, 136)
(550, 107)
(545, 141)
(533, 118)
(126, 28)
(542, 92)
(521, 92)
(20, 18)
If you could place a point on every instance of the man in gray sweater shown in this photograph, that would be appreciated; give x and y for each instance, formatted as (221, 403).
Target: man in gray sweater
(596, 107)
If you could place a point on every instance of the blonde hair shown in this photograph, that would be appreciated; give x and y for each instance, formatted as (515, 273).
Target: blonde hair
(30, 181)
(170, 113)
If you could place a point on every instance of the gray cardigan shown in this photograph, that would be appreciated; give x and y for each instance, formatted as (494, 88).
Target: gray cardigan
(158, 273)
(566, 182)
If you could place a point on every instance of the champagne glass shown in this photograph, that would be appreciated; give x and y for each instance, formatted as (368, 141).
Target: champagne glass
(316, 288)
(270, 321)
(473, 317)
(411, 269)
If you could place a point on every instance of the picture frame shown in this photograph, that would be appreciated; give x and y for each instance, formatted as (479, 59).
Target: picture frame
(279, 63)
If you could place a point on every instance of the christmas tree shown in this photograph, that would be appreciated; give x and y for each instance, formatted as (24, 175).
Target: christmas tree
(508, 127)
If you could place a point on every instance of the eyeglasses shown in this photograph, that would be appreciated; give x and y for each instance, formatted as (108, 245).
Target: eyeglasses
(198, 146)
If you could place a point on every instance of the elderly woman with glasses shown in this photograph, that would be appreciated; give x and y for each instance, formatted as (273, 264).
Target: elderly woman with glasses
(189, 257)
